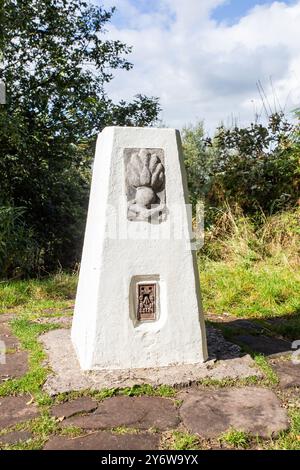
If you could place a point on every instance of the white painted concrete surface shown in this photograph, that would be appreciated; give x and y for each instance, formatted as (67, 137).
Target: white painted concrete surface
(105, 332)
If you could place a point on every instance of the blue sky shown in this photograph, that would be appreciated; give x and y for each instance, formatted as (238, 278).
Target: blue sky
(233, 10)
(230, 11)
(203, 58)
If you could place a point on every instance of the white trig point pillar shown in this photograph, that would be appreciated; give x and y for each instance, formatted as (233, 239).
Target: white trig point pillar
(138, 300)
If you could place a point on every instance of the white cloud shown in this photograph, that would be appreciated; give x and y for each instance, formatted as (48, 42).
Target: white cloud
(201, 69)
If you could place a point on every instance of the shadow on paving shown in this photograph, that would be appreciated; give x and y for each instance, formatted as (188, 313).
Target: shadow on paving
(269, 336)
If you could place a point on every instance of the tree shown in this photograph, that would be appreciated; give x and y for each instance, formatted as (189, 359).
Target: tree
(197, 160)
(55, 66)
(257, 167)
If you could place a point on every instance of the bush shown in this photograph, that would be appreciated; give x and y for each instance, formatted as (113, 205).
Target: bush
(19, 251)
(256, 168)
(56, 64)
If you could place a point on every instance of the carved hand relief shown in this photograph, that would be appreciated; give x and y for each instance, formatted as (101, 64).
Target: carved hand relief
(145, 184)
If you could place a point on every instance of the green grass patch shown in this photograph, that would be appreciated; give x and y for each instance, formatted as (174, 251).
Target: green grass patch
(235, 438)
(260, 290)
(121, 430)
(44, 426)
(135, 391)
(32, 381)
(56, 291)
(180, 440)
(71, 431)
(288, 440)
(138, 390)
(31, 444)
(229, 382)
(271, 378)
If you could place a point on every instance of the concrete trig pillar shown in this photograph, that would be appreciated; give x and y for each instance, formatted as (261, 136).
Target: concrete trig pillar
(138, 299)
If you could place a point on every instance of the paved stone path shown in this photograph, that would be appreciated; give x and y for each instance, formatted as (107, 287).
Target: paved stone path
(15, 410)
(16, 361)
(288, 373)
(125, 422)
(131, 412)
(105, 441)
(250, 409)
(15, 437)
(71, 408)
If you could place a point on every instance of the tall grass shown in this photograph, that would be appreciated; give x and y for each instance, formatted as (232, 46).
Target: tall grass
(237, 239)
(251, 268)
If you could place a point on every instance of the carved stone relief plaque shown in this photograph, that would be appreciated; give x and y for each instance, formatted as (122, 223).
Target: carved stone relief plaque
(146, 301)
(145, 184)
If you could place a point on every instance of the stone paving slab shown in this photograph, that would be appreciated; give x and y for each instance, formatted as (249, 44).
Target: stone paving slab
(71, 408)
(15, 366)
(11, 342)
(6, 317)
(254, 410)
(14, 410)
(68, 376)
(266, 345)
(288, 373)
(15, 437)
(131, 412)
(105, 441)
(16, 363)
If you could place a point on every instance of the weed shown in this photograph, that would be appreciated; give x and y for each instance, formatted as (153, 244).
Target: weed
(236, 438)
(180, 440)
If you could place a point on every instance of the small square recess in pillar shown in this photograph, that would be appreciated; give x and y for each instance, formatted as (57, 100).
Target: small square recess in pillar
(146, 301)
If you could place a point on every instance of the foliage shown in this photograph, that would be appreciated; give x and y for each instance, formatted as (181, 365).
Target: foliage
(18, 248)
(179, 440)
(256, 167)
(236, 438)
(197, 160)
(56, 65)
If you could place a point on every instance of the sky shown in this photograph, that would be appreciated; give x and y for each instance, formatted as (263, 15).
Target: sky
(203, 59)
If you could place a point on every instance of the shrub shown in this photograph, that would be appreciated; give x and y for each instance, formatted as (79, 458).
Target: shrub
(19, 251)
(256, 167)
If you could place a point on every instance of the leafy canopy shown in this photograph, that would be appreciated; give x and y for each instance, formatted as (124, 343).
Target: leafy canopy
(56, 63)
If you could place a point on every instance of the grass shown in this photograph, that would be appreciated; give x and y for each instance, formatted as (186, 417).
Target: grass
(41, 428)
(53, 292)
(235, 438)
(138, 390)
(246, 275)
(257, 291)
(134, 391)
(289, 440)
(32, 381)
(180, 440)
(121, 430)
(71, 431)
(230, 382)
(271, 378)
